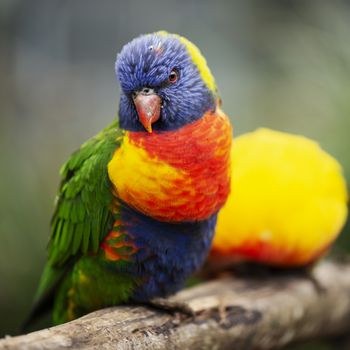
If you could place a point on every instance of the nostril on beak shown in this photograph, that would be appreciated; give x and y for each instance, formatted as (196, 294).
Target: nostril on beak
(147, 91)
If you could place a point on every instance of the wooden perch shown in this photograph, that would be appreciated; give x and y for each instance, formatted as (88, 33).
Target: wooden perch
(230, 313)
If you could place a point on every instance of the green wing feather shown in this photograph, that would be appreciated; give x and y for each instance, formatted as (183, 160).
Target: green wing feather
(82, 217)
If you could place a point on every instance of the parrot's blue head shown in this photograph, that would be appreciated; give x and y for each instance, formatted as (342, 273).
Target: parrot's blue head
(165, 83)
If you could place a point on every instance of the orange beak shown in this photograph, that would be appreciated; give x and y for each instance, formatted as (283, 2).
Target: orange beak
(148, 105)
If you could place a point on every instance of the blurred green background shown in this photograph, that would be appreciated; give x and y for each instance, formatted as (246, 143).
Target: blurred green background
(279, 64)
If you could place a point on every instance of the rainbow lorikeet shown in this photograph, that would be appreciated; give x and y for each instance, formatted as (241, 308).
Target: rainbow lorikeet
(289, 203)
(137, 205)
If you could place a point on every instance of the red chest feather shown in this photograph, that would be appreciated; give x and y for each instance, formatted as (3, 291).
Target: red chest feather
(191, 170)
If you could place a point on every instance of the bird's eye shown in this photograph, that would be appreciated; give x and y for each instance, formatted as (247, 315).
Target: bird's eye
(173, 76)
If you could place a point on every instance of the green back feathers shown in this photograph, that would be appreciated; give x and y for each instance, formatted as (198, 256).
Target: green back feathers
(82, 216)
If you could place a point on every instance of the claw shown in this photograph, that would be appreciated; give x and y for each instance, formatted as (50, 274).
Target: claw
(173, 307)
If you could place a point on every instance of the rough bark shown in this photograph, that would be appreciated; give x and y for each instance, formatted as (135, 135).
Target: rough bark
(230, 313)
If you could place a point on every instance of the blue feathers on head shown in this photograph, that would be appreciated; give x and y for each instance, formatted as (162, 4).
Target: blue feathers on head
(147, 61)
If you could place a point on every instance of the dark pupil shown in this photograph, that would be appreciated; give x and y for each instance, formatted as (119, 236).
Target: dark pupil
(172, 76)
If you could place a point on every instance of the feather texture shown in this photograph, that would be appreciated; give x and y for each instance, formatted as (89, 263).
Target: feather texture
(82, 217)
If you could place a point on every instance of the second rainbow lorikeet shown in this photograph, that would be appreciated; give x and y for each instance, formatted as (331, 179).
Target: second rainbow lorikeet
(288, 205)
(137, 205)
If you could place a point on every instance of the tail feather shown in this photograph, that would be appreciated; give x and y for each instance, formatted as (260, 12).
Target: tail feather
(50, 280)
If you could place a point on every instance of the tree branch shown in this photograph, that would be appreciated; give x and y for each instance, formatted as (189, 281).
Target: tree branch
(230, 313)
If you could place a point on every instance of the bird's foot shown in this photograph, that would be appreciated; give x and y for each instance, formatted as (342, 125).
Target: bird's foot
(179, 309)
(309, 274)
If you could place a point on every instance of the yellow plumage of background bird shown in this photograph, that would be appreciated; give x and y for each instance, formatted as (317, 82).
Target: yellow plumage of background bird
(288, 201)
